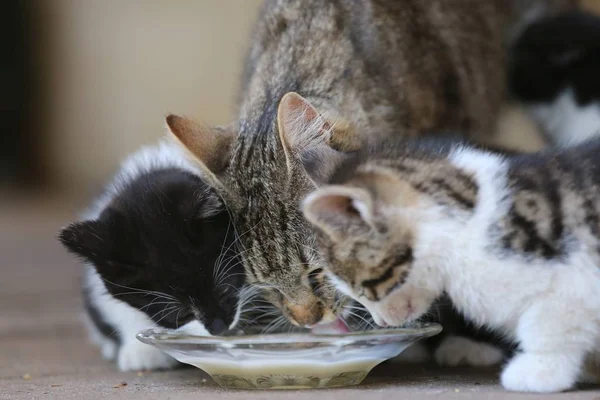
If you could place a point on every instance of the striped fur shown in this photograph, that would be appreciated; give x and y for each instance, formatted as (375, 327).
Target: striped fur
(513, 241)
(381, 68)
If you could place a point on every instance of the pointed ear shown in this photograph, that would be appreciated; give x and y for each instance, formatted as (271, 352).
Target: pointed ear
(87, 239)
(93, 242)
(210, 147)
(210, 206)
(307, 134)
(301, 127)
(340, 211)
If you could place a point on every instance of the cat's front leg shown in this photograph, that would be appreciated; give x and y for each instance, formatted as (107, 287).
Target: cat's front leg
(541, 372)
(458, 350)
(137, 356)
(553, 346)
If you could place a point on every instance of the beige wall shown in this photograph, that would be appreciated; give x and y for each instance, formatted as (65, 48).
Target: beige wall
(113, 68)
(593, 5)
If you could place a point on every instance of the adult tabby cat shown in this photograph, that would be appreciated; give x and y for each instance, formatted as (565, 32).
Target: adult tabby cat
(388, 68)
(513, 241)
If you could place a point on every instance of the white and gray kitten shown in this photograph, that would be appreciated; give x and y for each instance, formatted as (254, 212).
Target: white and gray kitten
(513, 241)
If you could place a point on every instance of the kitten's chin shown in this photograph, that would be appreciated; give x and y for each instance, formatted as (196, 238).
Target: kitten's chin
(194, 328)
(398, 310)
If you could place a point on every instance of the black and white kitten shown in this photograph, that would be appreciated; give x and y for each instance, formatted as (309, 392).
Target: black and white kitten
(158, 252)
(554, 71)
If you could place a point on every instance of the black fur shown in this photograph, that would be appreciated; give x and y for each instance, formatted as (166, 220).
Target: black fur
(106, 329)
(164, 233)
(556, 53)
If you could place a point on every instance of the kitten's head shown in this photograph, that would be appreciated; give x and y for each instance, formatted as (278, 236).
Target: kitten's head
(263, 171)
(163, 245)
(376, 233)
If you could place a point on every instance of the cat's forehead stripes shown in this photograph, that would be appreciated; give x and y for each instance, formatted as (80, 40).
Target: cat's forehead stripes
(437, 179)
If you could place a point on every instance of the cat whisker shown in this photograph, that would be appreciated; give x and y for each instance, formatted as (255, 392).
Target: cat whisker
(177, 318)
(166, 315)
(307, 247)
(223, 274)
(238, 236)
(223, 251)
(226, 262)
(162, 311)
(356, 315)
(275, 324)
(153, 303)
(140, 290)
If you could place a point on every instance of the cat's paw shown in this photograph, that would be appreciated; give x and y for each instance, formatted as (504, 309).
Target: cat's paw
(415, 354)
(540, 373)
(457, 350)
(109, 349)
(136, 356)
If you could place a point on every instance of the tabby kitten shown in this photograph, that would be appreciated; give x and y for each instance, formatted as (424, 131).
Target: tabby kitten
(388, 67)
(513, 241)
(554, 71)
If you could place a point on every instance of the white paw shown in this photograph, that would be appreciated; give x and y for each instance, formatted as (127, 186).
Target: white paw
(417, 353)
(109, 349)
(136, 356)
(457, 350)
(540, 373)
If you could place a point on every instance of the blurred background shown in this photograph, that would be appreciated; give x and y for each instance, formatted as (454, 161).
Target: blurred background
(85, 82)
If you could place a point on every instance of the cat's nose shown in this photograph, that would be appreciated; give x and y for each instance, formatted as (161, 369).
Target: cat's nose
(217, 326)
(301, 315)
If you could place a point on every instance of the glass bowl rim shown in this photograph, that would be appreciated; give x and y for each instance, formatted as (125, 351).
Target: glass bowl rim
(165, 336)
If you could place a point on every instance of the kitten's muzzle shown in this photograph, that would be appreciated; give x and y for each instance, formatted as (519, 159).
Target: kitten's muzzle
(217, 326)
(308, 315)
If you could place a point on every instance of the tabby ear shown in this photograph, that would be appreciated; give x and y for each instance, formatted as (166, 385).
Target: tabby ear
(340, 211)
(210, 147)
(87, 239)
(308, 136)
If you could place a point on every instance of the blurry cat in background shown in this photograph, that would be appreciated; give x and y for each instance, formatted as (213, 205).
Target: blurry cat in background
(554, 70)
(158, 252)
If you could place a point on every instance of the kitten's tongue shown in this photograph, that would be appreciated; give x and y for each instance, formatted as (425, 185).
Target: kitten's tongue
(335, 327)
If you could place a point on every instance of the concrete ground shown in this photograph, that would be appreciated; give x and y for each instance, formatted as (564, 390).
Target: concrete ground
(44, 352)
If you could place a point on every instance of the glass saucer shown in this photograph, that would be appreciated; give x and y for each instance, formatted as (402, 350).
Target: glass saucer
(288, 360)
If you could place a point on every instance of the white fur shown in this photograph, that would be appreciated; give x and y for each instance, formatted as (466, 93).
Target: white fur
(108, 347)
(551, 308)
(458, 350)
(415, 354)
(454, 351)
(566, 122)
(128, 321)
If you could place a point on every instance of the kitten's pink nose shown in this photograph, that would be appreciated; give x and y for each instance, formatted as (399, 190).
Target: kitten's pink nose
(305, 315)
